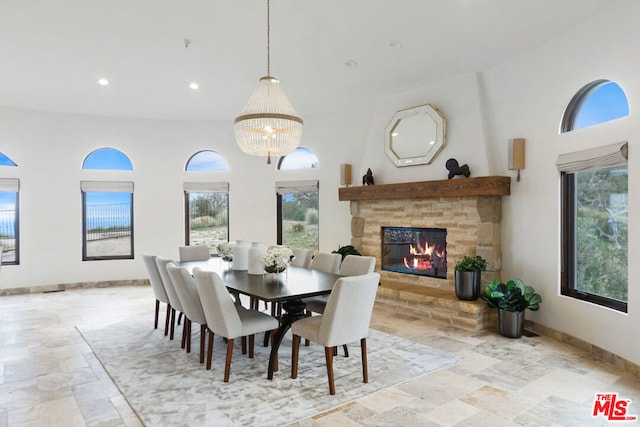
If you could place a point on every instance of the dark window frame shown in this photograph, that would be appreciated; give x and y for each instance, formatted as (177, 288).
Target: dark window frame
(16, 232)
(84, 234)
(187, 213)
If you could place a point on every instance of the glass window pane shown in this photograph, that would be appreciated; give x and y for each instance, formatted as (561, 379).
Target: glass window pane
(108, 225)
(207, 160)
(6, 161)
(208, 219)
(9, 227)
(301, 158)
(601, 233)
(299, 221)
(107, 158)
(597, 102)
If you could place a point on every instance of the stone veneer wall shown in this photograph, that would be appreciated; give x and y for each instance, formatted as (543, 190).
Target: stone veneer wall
(473, 228)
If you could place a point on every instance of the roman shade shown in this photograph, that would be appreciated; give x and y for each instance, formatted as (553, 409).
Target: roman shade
(206, 187)
(287, 187)
(608, 156)
(107, 186)
(10, 184)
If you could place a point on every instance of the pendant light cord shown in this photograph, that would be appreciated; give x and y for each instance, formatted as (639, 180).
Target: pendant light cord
(268, 38)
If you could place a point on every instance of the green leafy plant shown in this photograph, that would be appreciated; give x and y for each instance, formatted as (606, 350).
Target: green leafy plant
(468, 263)
(346, 250)
(511, 296)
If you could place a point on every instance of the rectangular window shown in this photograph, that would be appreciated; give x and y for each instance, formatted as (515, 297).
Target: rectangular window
(595, 229)
(206, 213)
(298, 214)
(9, 221)
(107, 220)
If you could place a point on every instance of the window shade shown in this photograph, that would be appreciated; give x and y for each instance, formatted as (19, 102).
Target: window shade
(286, 187)
(10, 184)
(107, 186)
(608, 156)
(206, 187)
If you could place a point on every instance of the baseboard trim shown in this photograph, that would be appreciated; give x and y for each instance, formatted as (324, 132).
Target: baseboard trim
(67, 286)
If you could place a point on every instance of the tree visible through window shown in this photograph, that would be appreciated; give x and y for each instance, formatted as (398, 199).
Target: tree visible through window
(207, 219)
(595, 208)
(298, 215)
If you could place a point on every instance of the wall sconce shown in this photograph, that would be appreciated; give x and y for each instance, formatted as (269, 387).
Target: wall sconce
(516, 155)
(345, 174)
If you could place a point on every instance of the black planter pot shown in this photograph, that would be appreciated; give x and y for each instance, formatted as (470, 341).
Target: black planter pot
(511, 323)
(468, 285)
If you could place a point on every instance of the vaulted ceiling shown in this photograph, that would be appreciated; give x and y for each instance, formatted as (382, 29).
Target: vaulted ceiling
(330, 55)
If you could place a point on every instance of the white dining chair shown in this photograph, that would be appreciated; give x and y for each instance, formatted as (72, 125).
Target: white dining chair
(226, 318)
(301, 258)
(187, 291)
(158, 289)
(345, 319)
(193, 253)
(323, 261)
(174, 299)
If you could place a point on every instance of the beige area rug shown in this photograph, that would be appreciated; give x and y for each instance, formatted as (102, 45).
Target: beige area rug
(166, 386)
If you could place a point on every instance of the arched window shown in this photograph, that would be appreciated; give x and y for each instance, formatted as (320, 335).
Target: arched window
(107, 158)
(301, 158)
(207, 160)
(597, 102)
(6, 161)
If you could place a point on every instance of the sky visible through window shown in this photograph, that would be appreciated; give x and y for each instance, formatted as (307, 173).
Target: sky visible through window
(6, 161)
(607, 102)
(109, 159)
(207, 160)
(301, 158)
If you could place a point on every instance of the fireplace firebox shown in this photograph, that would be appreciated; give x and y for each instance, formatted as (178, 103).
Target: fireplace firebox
(411, 250)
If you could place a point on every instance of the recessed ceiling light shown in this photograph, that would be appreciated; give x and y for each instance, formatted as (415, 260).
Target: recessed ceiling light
(194, 86)
(103, 82)
(351, 63)
(394, 44)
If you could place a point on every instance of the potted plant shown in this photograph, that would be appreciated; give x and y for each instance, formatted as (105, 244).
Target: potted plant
(468, 271)
(511, 299)
(346, 250)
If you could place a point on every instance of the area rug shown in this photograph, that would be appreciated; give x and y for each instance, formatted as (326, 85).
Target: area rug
(167, 386)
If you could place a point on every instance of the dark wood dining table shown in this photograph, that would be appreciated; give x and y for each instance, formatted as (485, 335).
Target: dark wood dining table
(288, 288)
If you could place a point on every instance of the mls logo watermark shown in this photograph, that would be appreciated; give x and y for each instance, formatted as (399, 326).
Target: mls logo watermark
(612, 408)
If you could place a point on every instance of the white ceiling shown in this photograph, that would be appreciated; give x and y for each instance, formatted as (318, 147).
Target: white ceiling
(53, 51)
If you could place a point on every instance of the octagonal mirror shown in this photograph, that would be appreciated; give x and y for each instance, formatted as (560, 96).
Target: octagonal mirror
(415, 136)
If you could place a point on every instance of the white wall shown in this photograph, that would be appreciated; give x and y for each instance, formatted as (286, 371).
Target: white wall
(526, 98)
(49, 149)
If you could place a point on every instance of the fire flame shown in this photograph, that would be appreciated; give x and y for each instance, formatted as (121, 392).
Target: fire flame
(423, 257)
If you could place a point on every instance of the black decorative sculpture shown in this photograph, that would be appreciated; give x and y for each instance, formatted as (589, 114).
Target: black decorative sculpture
(367, 179)
(455, 169)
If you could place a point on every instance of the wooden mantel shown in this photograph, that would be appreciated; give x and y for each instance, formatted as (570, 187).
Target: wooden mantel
(457, 187)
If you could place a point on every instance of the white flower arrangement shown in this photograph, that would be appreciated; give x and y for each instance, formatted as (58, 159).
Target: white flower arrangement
(225, 250)
(276, 259)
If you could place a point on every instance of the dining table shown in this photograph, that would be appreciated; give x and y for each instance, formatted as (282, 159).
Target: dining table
(288, 288)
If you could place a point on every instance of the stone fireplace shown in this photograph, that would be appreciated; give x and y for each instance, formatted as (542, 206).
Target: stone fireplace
(469, 209)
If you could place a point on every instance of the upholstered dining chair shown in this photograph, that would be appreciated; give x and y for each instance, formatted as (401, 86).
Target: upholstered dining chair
(158, 289)
(174, 299)
(323, 261)
(226, 318)
(188, 293)
(193, 253)
(345, 319)
(302, 258)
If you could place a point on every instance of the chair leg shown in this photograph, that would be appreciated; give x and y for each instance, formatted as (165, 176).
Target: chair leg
(179, 317)
(244, 345)
(187, 323)
(328, 354)
(365, 369)
(166, 320)
(252, 339)
(173, 322)
(295, 350)
(210, 350)
(155, 322)
(227, 363)
(346, 350)
(203, 329)
(184, 335)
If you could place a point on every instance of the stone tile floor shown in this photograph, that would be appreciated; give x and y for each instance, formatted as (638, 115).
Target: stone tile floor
(50, 377)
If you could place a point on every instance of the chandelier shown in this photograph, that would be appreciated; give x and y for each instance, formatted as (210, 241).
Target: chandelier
(268, 124)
